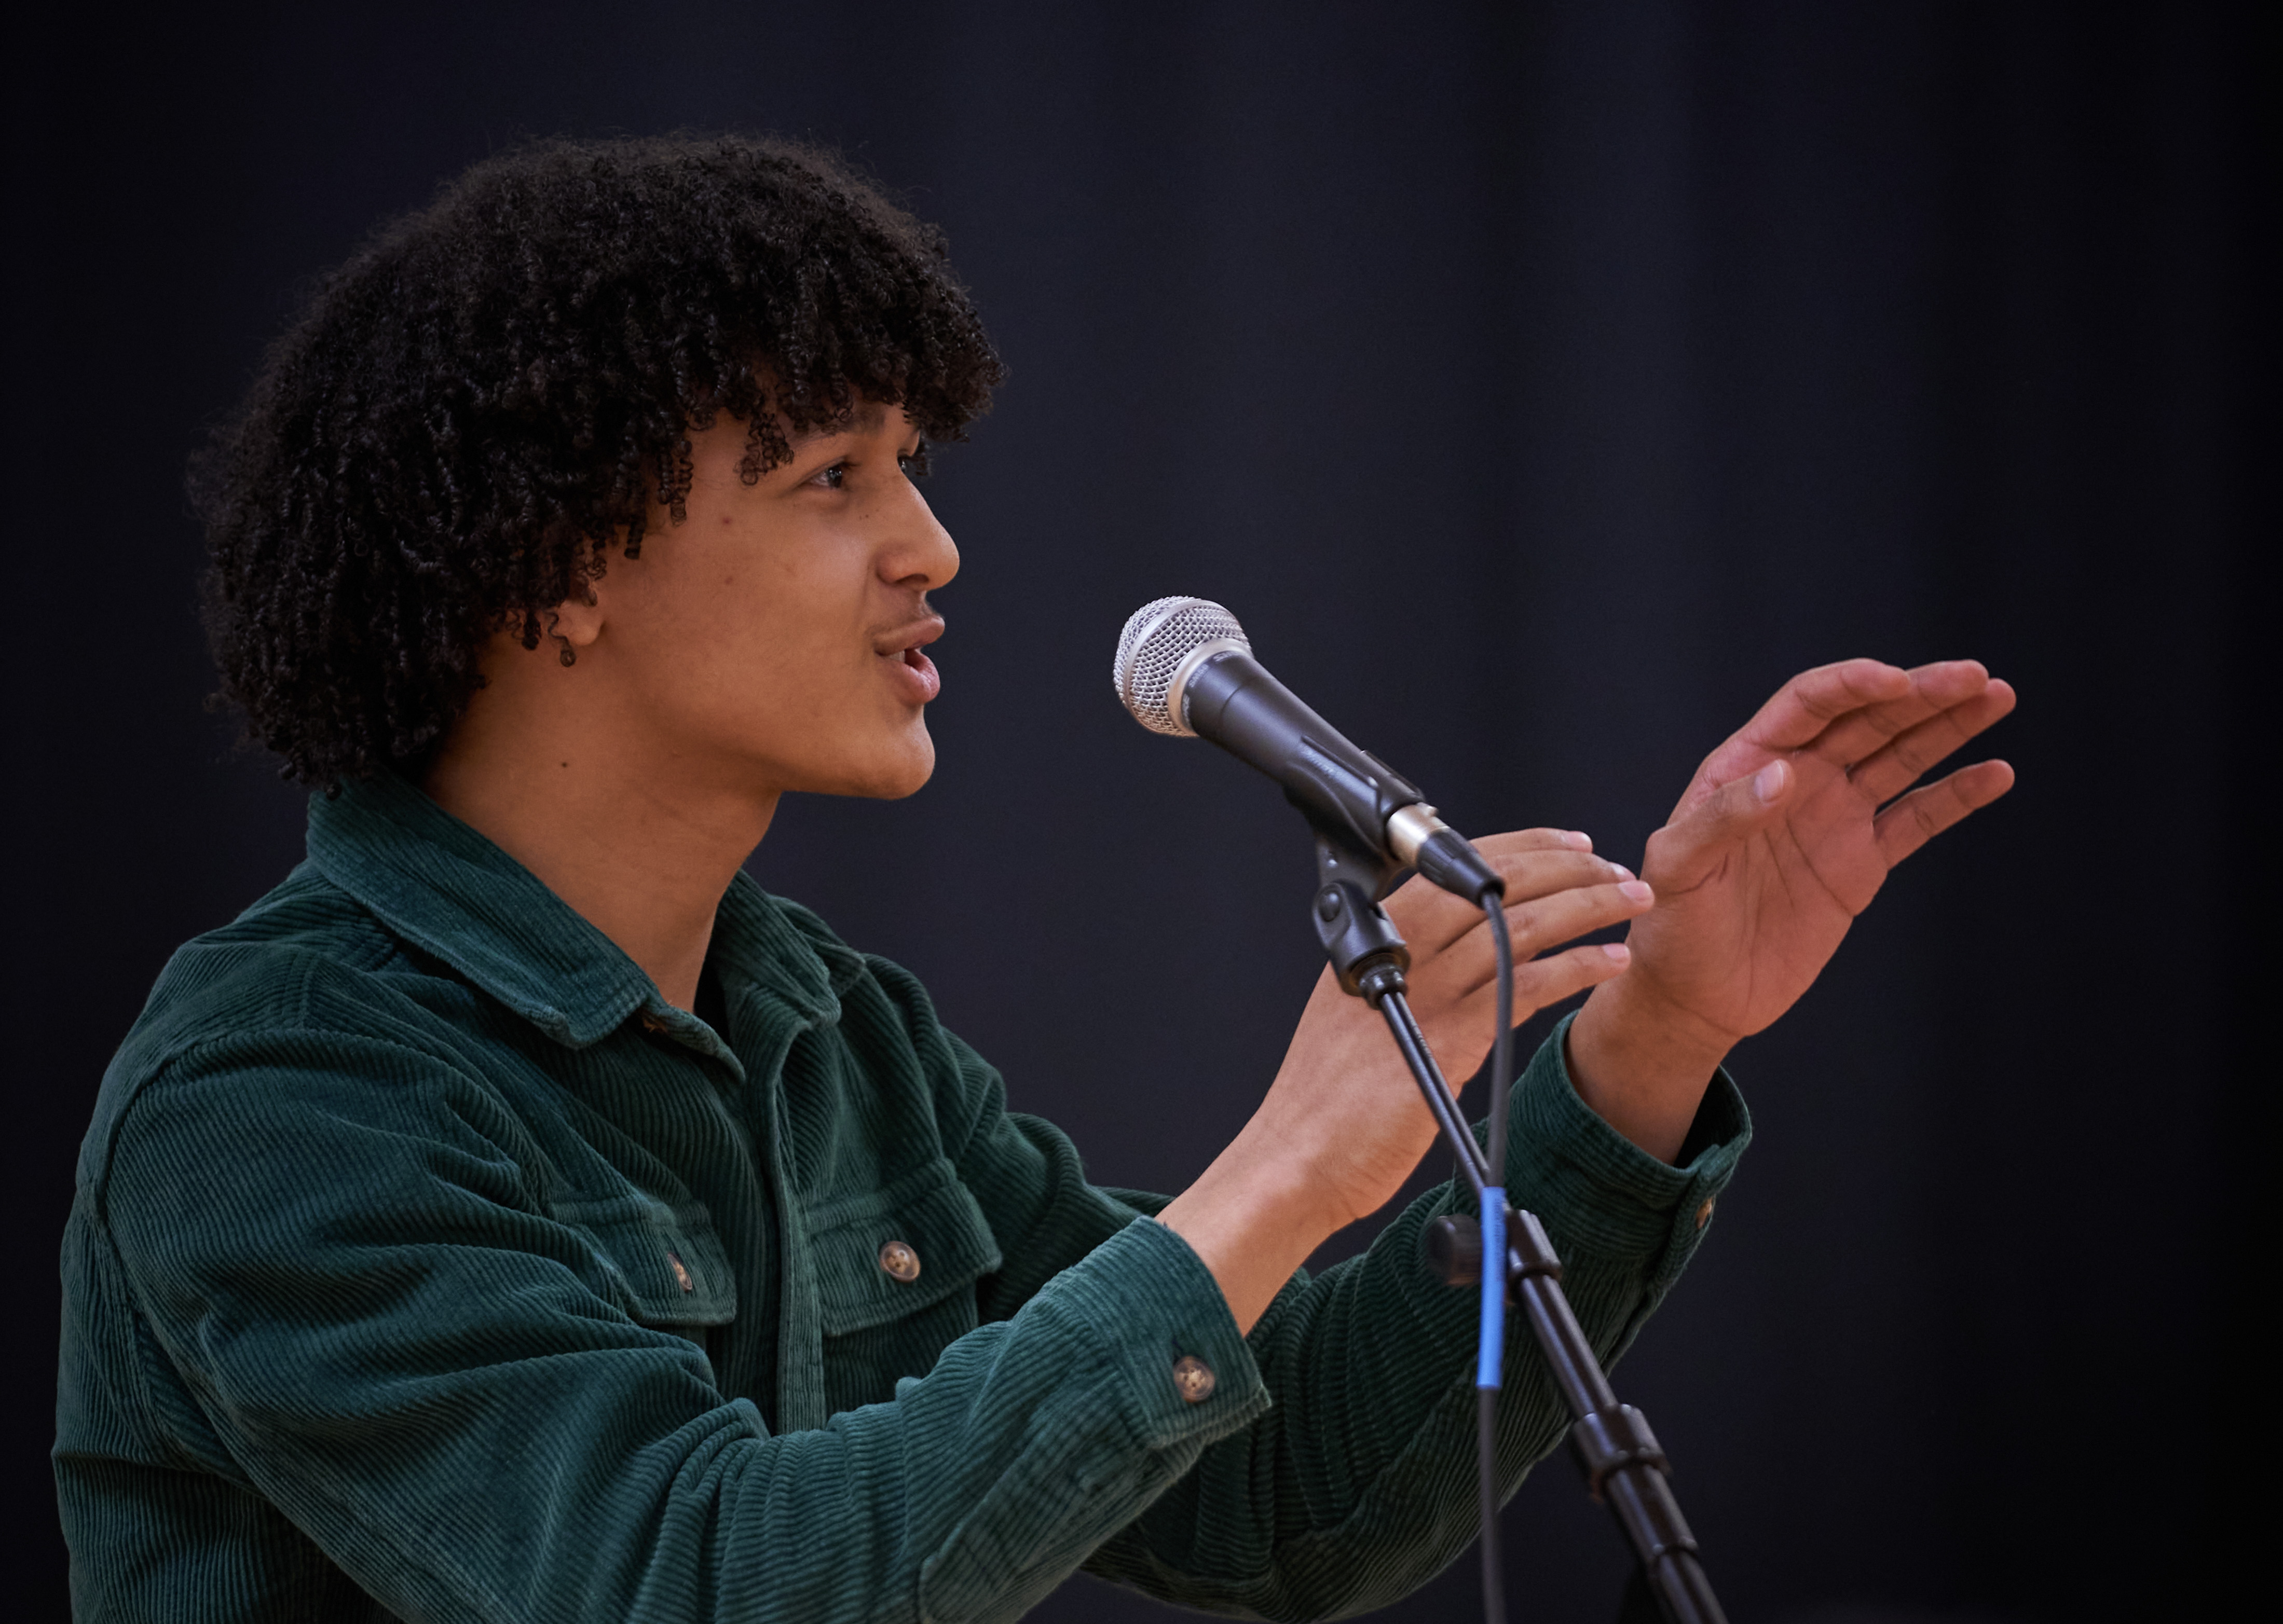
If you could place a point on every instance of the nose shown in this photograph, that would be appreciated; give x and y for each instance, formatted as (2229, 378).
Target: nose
(919, 553)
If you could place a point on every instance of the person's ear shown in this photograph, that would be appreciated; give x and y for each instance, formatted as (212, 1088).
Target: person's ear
(575, 623)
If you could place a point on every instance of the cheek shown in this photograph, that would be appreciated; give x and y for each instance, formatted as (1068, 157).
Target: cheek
(714, 593)
(742, 628)
(761, 631)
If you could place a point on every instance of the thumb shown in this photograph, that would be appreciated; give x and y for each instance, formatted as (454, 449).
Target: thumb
(1685, 852)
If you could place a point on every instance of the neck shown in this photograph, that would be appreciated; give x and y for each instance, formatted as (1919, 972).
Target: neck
(610, 822)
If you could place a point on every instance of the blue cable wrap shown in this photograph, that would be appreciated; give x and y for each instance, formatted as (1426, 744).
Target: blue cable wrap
(1491, 1357)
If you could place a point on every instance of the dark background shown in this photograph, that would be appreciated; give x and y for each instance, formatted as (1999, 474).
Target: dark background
(1542, 386)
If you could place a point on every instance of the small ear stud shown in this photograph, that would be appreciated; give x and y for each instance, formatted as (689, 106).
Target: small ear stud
(566, 656)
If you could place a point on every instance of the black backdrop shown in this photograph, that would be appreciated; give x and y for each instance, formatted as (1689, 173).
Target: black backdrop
(1541, 386)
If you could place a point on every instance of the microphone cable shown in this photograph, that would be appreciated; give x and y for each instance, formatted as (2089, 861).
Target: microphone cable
(1490, 1350)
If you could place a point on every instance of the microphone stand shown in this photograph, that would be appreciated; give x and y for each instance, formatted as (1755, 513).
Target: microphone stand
(1611, 1443)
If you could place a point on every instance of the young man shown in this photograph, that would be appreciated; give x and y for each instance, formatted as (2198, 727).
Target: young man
(518, 1215)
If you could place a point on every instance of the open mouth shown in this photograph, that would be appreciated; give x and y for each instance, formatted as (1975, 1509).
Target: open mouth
(921, 680)
(925, 677)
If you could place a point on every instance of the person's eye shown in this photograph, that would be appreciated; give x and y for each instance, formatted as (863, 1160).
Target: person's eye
(914, 462)
(831, 478)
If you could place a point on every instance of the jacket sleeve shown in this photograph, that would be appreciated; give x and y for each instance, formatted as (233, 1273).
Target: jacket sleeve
(1358, 1484)
(329, 1245)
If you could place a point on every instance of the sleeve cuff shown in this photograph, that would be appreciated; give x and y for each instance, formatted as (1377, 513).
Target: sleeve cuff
(1598, 1193)
(1186, 1376)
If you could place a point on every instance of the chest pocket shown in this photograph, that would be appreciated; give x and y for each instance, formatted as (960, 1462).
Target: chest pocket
(663, 1264)
(887, 1255)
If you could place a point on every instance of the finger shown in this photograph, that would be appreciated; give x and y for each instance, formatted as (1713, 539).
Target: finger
(1810, 702)
(1534, 840)
(1536, 985)
(1536, 924)
(1889, 772)
(1924, 814)
(1472, 961)
(1686, 850)
(1431, 919)
(1934, 688)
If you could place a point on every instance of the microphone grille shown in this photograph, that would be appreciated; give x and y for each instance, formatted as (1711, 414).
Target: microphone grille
(1158, 636)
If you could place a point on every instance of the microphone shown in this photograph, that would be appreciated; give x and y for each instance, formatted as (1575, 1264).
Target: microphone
(1185, 667)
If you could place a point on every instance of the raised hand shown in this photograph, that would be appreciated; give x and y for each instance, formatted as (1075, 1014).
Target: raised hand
(1784, 835)
(1342, 1125)
(1349, 1096)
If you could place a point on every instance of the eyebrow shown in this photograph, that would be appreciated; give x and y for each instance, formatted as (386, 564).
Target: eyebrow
(866, 419)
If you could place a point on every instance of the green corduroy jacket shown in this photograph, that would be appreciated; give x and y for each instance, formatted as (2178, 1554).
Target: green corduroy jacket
(425, 1264)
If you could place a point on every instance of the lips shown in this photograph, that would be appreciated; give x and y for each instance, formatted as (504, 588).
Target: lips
(924, 670)
(914, 672)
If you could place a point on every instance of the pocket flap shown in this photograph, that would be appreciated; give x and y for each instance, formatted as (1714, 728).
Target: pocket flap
(665, 1264)
(933, 1215)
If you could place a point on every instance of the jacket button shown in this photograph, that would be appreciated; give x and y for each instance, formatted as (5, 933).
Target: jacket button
(898, 1262)
(1704, 1213)
(1192, 1378)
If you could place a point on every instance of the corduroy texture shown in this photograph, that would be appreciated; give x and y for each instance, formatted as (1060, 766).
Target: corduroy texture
(425, 1264)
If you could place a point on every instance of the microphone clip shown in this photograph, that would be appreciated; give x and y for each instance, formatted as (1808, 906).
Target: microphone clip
(1359, 939)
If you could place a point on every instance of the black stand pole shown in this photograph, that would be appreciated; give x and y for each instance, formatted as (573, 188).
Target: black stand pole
(1615, 1449)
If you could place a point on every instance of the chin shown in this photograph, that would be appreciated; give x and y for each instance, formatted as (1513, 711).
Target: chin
(866, 763)
(892, 780)
(896, 789)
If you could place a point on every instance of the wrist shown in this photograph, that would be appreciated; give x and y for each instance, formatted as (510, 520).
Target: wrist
(1253, 1217)
(1270, 1185)
(1631, 1016)
(1642, 1064)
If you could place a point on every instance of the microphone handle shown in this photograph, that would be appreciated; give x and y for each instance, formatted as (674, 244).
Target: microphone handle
(1349, 796)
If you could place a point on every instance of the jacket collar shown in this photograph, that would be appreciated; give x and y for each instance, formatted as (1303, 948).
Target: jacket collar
(440, 885)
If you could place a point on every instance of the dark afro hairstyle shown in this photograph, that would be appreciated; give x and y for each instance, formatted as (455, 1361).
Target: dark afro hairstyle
(491, 392)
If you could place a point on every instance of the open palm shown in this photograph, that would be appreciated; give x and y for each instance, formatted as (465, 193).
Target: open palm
(1790, 828)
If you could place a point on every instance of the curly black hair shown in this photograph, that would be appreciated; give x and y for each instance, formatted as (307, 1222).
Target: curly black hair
(488, 395)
